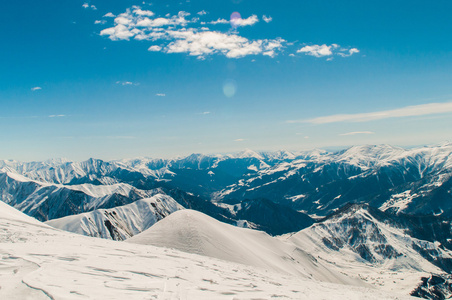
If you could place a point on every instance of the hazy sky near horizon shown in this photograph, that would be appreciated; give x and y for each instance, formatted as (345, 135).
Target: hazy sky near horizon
(118, 79)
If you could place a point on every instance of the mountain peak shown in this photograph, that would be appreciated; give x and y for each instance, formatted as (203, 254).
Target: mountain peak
(248, 153)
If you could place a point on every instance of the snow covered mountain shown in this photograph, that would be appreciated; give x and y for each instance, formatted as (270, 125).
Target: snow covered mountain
(121, 222)
(394, 252)
(39, 262)
(416, 181)
(46, 201)
(265, 215)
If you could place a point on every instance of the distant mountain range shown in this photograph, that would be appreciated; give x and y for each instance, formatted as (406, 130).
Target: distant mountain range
(363, 211)
(414, 181)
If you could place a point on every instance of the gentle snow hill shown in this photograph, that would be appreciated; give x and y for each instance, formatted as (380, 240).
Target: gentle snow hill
(39, 262)
(194, 232)
(8, 212)
(121, 222)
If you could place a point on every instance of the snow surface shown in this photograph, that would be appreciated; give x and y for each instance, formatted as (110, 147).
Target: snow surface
(194, 232)
(400, 273)
(39, 262)
(127, 220)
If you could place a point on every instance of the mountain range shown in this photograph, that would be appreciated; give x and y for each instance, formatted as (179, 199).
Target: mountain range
(372, 215)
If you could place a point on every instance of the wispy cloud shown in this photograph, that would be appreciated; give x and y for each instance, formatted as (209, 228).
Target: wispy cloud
(356, 132)
(57, 116)
(100, 22)
(202, 13)
(408, 111)
(205, 113)
(127, 83)
(160, 95)
(325, 50)
(219, 21)
(36, 88)
(267, 19)
(239, 140)
(120, 137)
(88, 6)
(155, 48)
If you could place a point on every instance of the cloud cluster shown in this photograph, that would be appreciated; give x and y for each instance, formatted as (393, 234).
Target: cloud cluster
(325, 50)
(175, 36)
(36, 88)
(87, 6)
(183, 33)
(408, 111)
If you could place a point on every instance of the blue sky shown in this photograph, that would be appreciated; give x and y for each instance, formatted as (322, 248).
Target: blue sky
(115, 79)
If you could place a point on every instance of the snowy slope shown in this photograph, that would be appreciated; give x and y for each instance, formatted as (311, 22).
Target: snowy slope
(39, 262)
(121, 222)
(193, 232)
(46, 201)
(361, 241)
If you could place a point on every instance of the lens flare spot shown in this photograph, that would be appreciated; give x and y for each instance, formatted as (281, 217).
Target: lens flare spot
(229, 88)
(235, 19)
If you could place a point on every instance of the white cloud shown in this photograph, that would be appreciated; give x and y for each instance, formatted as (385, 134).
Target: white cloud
(356, 132)
(348, 52)
(160, 95)
(267, 19)
(119, 32)
(127, 83)
(176, 34)
(219, 21)
(408, 111)
(36, 88)
(100, 22)
(209, 42)
(325, 50)
(212, 42)
(202, 13)
(236, 22)
(57, 116)
(155, 48)
(87, 6)
(317, 50)
(140, 12)
(205, 113)
(109, 15)
(239, 140)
